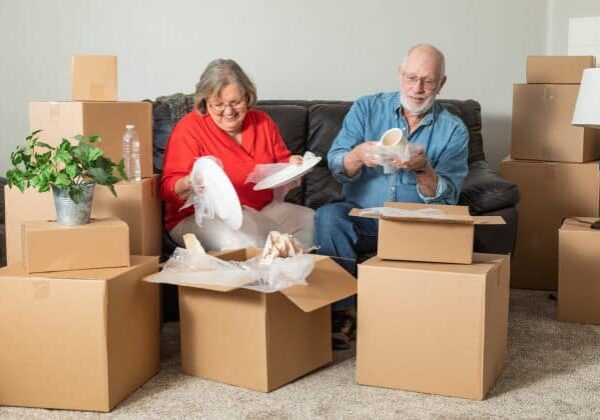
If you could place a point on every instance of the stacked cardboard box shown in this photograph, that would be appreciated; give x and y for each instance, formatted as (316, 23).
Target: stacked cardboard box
(94, 111)
(432, 316)
(579, 271)
(82, 329)
(554, 164)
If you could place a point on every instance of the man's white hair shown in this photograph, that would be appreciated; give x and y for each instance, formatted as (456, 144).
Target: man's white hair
(434, 51)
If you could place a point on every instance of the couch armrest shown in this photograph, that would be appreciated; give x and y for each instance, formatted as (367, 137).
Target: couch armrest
(485, 191)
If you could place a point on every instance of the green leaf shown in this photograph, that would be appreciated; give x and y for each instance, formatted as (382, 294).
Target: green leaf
(94, 139)
(76, 194)
(95, 153)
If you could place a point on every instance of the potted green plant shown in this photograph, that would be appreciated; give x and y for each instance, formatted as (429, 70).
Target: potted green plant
(71, 170)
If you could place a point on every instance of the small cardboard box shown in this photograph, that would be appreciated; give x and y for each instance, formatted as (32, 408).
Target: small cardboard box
(137, 204)
(557, 69)
(255, 340)
(549, 191)
(542, 129)
(104, 119)
(579, 271)
(48, 246)
(93, 77)
(433, 328)
(77, 340)
(432, 239)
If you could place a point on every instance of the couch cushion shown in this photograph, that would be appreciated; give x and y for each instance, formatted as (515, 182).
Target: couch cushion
(484, 191)
(292, 121)
(470, 112)
(325, 121)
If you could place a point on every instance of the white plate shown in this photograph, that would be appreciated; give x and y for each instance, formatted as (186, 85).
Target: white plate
(220, 191)
(287, 174)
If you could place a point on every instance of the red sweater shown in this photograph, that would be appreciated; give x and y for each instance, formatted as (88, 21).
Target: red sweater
(197, 135)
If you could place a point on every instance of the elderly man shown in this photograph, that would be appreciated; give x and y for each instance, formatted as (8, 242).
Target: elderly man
(434, 174)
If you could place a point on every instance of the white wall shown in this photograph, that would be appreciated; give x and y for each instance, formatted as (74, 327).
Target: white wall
(560, 11)
(293, 49)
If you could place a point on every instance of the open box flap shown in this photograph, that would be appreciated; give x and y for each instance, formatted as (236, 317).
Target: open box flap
(446, 218)
(179, 279)
(328, 283)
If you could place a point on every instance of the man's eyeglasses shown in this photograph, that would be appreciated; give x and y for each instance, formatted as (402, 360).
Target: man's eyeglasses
(220, 106)
(413, 79)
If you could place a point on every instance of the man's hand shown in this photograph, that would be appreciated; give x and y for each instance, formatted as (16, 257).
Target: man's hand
(361, 155)
(417, 162)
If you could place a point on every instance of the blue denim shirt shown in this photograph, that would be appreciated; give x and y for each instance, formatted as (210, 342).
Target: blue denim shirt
(444, 138)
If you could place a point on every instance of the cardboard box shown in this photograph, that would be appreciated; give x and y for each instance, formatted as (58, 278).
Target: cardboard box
(541, 125)
(256, 340)
(78, 340)
(433, 328)
(137, 204)
(557, 69)
(579, 272)
(549, 191)
(437, 239)
(93, 77)
(105, 119)
(48, 246)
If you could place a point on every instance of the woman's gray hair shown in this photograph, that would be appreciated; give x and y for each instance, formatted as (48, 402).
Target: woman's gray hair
(218, 74)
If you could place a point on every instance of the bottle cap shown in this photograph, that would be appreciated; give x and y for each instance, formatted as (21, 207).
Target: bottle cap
(130, 126)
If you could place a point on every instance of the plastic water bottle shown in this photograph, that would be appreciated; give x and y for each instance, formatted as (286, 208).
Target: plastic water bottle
(131, 153)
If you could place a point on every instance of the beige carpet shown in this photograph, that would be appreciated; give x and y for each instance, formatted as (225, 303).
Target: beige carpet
(553, 371)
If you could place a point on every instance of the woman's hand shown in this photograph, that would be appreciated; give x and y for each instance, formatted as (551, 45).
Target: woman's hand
(296, 160)
(183, 187)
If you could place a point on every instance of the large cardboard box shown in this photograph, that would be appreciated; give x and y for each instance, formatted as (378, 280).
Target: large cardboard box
(541, 125)
(433, 328)
(557, 69)
(48, 246)
(105, 119)
(443, 237)
(137, 204)
(579, 271)
(550, 191)
(93, 77)
(257, 340)
(78, 340)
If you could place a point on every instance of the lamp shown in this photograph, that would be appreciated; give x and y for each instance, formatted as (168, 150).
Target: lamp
(587, 107)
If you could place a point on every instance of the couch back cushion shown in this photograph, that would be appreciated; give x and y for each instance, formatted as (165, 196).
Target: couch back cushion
(306, 125)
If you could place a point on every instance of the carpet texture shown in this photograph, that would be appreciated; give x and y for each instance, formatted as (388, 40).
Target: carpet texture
(552, 371)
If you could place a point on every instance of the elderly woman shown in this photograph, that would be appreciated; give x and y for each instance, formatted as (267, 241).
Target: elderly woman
(224, 125)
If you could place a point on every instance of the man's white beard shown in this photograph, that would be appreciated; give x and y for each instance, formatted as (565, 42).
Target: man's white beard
(417, 110)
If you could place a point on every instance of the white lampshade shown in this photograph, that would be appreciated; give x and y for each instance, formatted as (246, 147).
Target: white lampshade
(587, 108)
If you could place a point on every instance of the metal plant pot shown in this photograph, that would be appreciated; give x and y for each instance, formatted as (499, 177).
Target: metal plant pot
(70, 213)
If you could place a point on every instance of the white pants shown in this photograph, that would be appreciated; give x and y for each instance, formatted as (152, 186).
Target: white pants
(284, 217)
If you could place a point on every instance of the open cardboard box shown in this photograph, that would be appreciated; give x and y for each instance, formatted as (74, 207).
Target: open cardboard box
(446, 239)
(257, 340)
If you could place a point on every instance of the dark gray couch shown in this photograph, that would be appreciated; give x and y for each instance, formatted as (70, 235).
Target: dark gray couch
(312, 125)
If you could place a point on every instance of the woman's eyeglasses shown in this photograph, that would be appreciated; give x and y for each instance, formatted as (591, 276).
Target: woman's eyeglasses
(220, 106)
